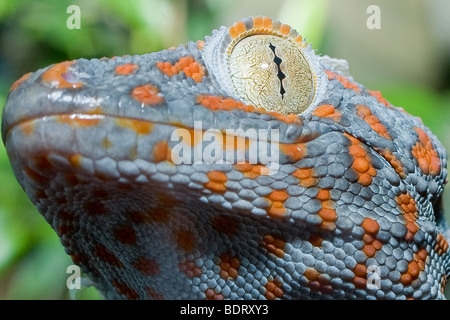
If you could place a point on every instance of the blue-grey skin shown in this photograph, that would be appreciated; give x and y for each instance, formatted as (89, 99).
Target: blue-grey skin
(122, 180)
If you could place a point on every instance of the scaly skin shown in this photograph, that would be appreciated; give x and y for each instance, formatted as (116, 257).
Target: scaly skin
(353, 211)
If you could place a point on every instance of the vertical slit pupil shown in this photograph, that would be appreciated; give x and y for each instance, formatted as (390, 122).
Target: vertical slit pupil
(280, 74)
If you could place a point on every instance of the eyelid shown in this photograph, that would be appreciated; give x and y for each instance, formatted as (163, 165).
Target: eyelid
(218, 50)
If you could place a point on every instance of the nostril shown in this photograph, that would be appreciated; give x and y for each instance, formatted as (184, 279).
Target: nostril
(59, 76)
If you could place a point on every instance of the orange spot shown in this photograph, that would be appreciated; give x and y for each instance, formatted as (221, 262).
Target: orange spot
(361, 162)
(127, 68)
(359, 280)
(379, 97)
(123, 289)
(228, 266)
(285, 29)
(276, 199)
(190, 269)
(394, 162)
(311, 274)
(365, 113)
(409, 209)
(415, 266)
(212, 295)
(327, 212)
(217, 180)
(370, 226)
(327, 110)
(95, 110)
(371, 244)
(147, 266)
(267, 22)
(101, 252)
(257, 22)
(200, 44)
(55, 76)
(18, 82)
(369, 250)
(188, 65)
(360, 270)
(147, 94)
(75, 160)
(162, 152)
(274, 290)
(323, 194)
(139, 126)
(274, 245)
(186, 241)
(425, 154)
(441, 244)
(227, 104)
(377, 244)
(27, 127)
(295, 151)
(278, 195)
(217, 176)
(251, 171)
(317, 281)
(328, 215)
(306, 176)
(232, 142)
(106, 143)
(236, 29)
(125, 234)
(315, 239)
(345, 82)
(443, 283)
(224, 224)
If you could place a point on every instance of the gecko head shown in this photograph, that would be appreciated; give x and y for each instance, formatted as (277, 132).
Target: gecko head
(266, 64)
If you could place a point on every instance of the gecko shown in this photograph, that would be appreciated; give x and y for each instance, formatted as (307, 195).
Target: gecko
(244, 166)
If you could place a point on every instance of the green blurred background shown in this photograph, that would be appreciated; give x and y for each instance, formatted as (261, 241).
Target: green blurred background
(408, 60)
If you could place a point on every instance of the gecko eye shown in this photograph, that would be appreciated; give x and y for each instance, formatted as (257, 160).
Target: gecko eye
(271, 72)
(267, 64)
